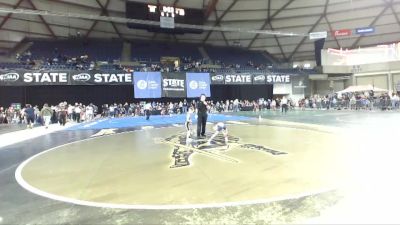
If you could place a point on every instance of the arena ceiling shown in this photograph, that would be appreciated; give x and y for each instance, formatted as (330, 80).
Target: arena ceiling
(299, 16)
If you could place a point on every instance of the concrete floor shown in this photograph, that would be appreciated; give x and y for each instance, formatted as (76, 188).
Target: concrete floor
(7, 128)
(132, 169)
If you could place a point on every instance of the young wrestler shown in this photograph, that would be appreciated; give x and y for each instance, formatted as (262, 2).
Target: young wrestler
(220, 128)
(188, 124)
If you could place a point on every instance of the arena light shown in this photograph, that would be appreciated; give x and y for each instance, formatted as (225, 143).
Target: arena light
(146, 22)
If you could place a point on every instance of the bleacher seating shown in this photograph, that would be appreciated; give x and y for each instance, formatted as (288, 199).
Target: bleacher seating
(235, 55)
(230, 60)
(97, 50)
(293, 70)
(14, 66)
(60, 67)
(153, 51)
(107, 67)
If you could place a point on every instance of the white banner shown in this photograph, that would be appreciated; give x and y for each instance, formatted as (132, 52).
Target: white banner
(318, 76)
(318, 35)
(361, 56)
(167, 22)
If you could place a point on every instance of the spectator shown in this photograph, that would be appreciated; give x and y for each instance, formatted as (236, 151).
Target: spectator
(62, 113)
(284, 104)
(46, 114)
(89, 113)
(77, 113)
(30, 116)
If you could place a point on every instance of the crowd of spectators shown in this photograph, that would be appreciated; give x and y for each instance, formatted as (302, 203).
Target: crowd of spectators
(78, 62)
(73, 112)
(169, 108)
(81, 62)
(192, 67)
(84, 62)
(79, 112)
(25, 58)
(199, 65)
(353, 101)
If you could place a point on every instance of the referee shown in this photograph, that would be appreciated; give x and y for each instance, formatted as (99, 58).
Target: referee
(201, 116)
(147, 110)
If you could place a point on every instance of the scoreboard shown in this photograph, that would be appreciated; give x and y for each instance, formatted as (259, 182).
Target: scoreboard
(155, 12)
(166, 11)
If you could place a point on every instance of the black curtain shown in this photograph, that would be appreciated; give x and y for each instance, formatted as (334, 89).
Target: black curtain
(249, 92)
(318, 46)
(37, 95)
(10, 95)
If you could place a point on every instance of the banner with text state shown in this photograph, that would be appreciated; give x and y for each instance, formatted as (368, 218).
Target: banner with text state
(174, 85)
(171, 84)
(278, 78)
(97, 77)
(63, 77)
(147, 84)
(238, 78)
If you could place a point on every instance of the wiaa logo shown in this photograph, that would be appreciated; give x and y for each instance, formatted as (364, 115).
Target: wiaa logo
(9, 77)
(193, 85)
(259, 78)
(142, 84)
(81, 77)
(217, 78)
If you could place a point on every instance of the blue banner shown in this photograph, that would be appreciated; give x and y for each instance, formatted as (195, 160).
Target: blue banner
(147, 84)
(197, 84)
(365, 30)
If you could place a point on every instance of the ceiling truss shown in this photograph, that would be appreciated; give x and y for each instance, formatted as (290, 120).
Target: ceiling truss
(218, 16)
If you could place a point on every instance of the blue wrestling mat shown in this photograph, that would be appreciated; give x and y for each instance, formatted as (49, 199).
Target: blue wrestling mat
(127, 122)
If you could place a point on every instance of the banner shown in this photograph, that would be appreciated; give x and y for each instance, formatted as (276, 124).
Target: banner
(147, 84)
(278, 79)
(300, 84)
(27, 78)
(240, 78)
(341, 33)
(246, 78)
(63, 77)
(174, 85)
(217, 79)
(318, 35)
(96, 77)
(198, 84)
(365, 30)
(259, 78)
(167, 22)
